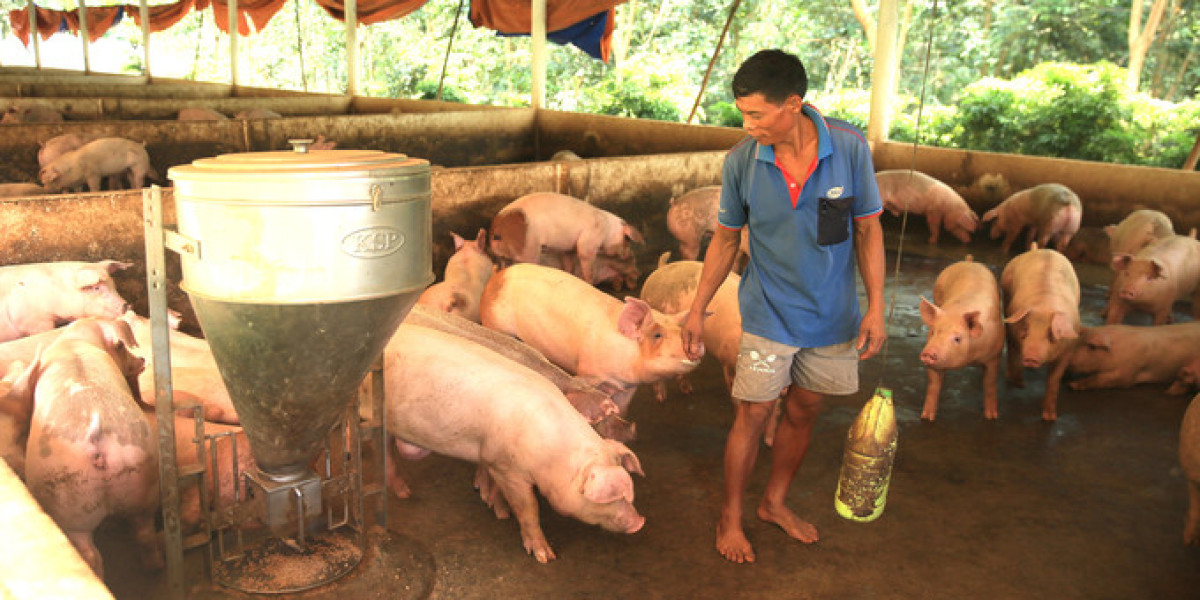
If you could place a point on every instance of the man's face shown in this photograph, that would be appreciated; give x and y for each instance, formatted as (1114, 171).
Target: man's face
(767, 122)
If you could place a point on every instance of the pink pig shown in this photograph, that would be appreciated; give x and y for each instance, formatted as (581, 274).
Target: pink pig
(1041, 296)
(60, 145)
(966, 327)
(16, 410)
(621, 273)
(515, 424)
(36, 297)
(1153, 279)
(1118, 356)
(692, 216)
(1187, 379)
(1189, 459)
(1137, 230)
(96, 160)
(550, 221)
(92, 453)
(467, 271)
(1051, 212)
(613, 345)
(920, 194)
(200, 113)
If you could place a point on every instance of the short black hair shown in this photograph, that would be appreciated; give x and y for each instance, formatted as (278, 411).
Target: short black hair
(773, 73)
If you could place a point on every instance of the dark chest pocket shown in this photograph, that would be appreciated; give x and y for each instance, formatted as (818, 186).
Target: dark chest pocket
(833, 222)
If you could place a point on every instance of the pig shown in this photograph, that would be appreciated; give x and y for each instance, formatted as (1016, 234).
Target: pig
(966, 327)
(199, 113)
(515, 424)
(1189, 460)
(36, 297)
(467, 271)
(96, 160)
(1152, 280)
(613, 345)
(550, 221)
(60, 145)
(92, 453)
(257, 113)
(1137, 230)
(1091, 245)
(1120, 356)
(1187, 379)
(21, 190)
(1041, 307)
(693, 216)
(1050, 211)
(31, 111)
(620, 273)
(322, 144)
(920, 194)
(16, 411)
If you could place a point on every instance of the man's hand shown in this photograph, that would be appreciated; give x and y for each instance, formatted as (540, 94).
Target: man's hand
(690, 334)
(871, 333)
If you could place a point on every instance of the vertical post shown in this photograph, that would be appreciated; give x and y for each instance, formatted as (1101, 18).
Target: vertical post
(33, 34)
(168, 473)
(144, 12)
(537, 35)
(83, 34)
(883, 79)
(233, 47)
(352, 47)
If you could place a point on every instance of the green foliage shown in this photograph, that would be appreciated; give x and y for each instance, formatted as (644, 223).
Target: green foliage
(427, 90)
(628, 98)
(724, 114)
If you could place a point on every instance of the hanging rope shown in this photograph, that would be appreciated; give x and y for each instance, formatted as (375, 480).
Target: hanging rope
(300, 45)
(911, 168)
(449, 45)
(713, 61)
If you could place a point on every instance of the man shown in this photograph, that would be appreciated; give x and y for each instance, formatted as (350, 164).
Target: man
(802, 183)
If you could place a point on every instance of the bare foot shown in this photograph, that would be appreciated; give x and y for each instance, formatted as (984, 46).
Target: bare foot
(732, 543)
(787, 520)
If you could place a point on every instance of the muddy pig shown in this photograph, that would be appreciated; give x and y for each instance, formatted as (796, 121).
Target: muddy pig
(1050, 212)
(92, 453)
(31, 111)
(1041, 304)
(515, 424)
(467, 271)
(1189, 459)
(38, 296)
(20, 190)
(966, 327)
(920, 194)
(550, 221)
(1166, 270)
(199, 113)
(1120, 356)
(60, 145)
(614, 345)
(96, 160)
(1090, 244)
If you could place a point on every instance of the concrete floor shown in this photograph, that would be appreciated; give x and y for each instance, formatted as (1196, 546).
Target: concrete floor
(1089, 507)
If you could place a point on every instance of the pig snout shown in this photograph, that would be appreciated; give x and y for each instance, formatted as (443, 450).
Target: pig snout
(1130, 293)
(930, 357)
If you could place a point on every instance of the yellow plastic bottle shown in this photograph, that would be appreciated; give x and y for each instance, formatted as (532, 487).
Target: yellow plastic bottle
(867, 460)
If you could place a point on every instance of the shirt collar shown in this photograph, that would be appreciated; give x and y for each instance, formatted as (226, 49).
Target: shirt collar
(824, 146)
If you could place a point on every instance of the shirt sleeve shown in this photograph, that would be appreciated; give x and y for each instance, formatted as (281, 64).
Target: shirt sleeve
(867, 202)
(732, 211)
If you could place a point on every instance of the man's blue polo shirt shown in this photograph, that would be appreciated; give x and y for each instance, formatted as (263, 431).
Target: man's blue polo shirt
(799, 288)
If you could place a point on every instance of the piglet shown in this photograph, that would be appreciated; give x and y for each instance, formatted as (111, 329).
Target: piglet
(1050, 212)
(693, 216)
(1187, 379)
(96, 160)
(199, 113)
(16, 411)
(966, 327)
(31, 111)
(1041, 303)
(36, 297)
(546, 220)
(619, 273)
(515, 424)
(614, 345)
(1120, 356)
(1155, 277)
(1189, 459)
(920, 194)
(467, 271)
(1091, 245)
(92, 453)
(1137, 230)
(60, 145)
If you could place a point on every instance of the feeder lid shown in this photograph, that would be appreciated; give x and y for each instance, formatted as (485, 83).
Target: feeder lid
(300, 163)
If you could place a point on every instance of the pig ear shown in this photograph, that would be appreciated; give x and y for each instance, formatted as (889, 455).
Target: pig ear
(631, 233)
(929, 311)
(1120, 262)
(112, 266)
(605, 484)
(117, 331)
(87, 276)
(1098, 340)
(974, 325)
(481, 239)
(458, 240)
(1017, 318)
(1109, 230)
(1061, 328)
(629, 461)
(633, 317)
(1156, 269)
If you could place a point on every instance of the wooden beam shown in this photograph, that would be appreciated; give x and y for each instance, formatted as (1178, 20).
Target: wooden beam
(537, 35)
(352, 47)
(883, 78)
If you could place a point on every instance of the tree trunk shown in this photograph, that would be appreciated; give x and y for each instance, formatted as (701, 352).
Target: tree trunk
(1180, 74)
(1140, 39)
(1163, 55)
(864, 18)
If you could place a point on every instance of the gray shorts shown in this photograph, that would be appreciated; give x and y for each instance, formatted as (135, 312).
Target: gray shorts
(764, 368)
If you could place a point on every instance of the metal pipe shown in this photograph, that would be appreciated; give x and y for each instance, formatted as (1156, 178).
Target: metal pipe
(537, 34)
(233, 47)
(33, 35)
(83, 35)
(352, 47)
(883, 79)
(144, 11)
